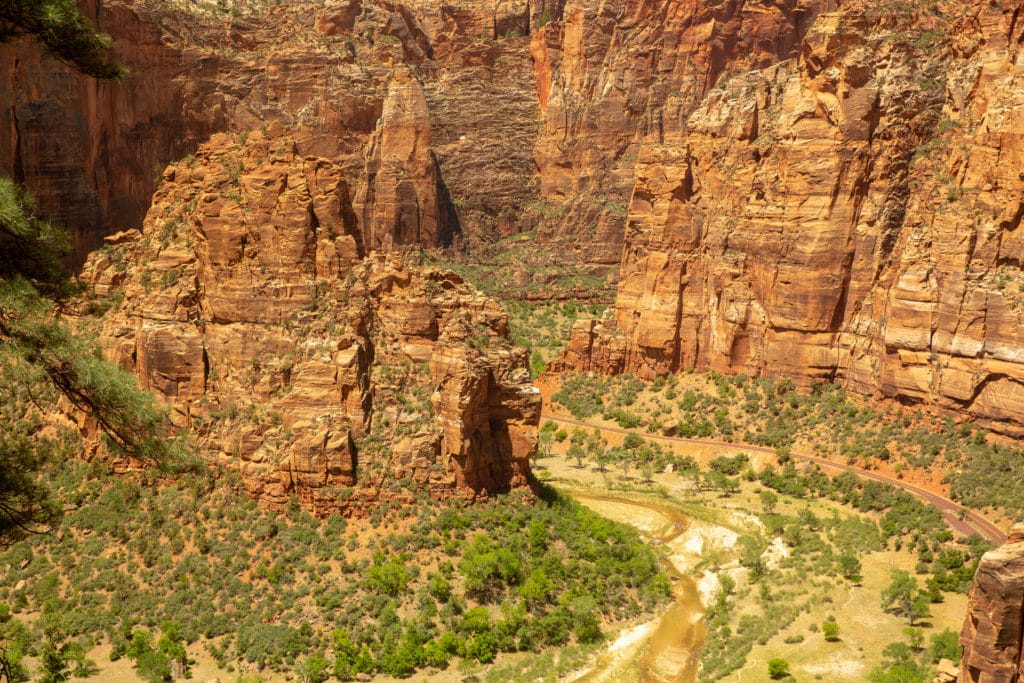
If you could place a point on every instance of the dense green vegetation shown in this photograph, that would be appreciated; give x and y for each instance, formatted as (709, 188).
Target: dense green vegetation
(904, 521)
(822, 552)
(543, 329)
(909, 661)
(42, 361)
(769, 412)
(202, 566)
(806, 547)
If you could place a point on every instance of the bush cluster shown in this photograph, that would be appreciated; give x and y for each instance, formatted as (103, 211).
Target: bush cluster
(207, 568)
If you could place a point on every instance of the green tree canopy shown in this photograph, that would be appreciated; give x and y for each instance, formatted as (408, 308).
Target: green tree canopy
(43, 363)
(65, 34)
(778, 668)
(902, 597)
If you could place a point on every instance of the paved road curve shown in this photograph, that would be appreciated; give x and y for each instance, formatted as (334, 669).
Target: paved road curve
(959, 518)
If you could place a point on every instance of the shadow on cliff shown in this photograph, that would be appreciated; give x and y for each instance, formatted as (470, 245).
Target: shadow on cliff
(451, 226)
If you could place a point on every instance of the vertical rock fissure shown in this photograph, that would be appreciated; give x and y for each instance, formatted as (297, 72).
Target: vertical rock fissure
(1020, 641)
(18, 169)
(678, 338)
(1013, 26)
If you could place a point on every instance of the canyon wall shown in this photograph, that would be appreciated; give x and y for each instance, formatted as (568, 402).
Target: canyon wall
(851, 214)
(994, 627)
(614, 75)
(250, 304)
(804, 188)
(337, 73)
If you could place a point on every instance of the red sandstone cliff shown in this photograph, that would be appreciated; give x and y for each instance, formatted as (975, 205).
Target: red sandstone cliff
(799, 187)
(994, 627)
(249, 302)
(851, 213)
(612, 77)
(339, 74)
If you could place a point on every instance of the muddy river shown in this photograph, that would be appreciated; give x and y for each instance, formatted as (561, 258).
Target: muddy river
(668, 650)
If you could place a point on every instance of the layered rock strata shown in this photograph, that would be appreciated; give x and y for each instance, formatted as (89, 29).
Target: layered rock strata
(430, 108)
(850, 214)
(316, 368)
(612, 76)
(994, 627)
(804, 188)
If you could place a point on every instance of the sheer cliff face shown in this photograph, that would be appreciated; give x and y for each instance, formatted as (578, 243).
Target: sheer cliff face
(851, 214)
(805, 188)
(615, 76)
(91, 151)
(994, 627)
(249, 304)
(429, 108)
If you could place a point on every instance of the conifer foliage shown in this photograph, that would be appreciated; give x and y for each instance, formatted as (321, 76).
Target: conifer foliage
(43, 362)
(63, 31)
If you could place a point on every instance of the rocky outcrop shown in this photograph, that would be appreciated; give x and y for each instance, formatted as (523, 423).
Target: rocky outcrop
(821, 190)
(91, 152)
(346, 77)
(994, 627)
(848, 214)
(317, 369)
(402, 201)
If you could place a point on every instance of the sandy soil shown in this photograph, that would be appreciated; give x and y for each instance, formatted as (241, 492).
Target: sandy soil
(620, 660)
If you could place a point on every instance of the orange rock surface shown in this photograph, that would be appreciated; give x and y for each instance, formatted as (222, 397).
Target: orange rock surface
(612, 77)
(295, 357)
(847, 214)
(992, 632)
(803, 188)
(429, 107)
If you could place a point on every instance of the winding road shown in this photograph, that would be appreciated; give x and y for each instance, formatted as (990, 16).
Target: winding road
(962, 520)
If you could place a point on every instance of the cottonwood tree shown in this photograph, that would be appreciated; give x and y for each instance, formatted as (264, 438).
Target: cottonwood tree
(769, 499)
(903, 598)
(778, 668)
(577, 453)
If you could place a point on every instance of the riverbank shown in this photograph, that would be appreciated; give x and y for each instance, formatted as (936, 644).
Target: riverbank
(710, 548)
(668, 647)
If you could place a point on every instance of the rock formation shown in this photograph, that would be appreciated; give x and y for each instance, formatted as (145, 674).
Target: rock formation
(250, 304)
(402, 199)
(847, 214)
(614, 76)
(347, 77)
(994, 627)
(821, 190)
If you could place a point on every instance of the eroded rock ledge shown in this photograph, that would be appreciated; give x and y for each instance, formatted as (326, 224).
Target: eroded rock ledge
(344, 74)
(316, 369)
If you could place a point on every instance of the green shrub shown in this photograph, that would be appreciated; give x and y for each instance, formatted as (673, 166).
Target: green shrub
(390, 578)
(778, 668)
